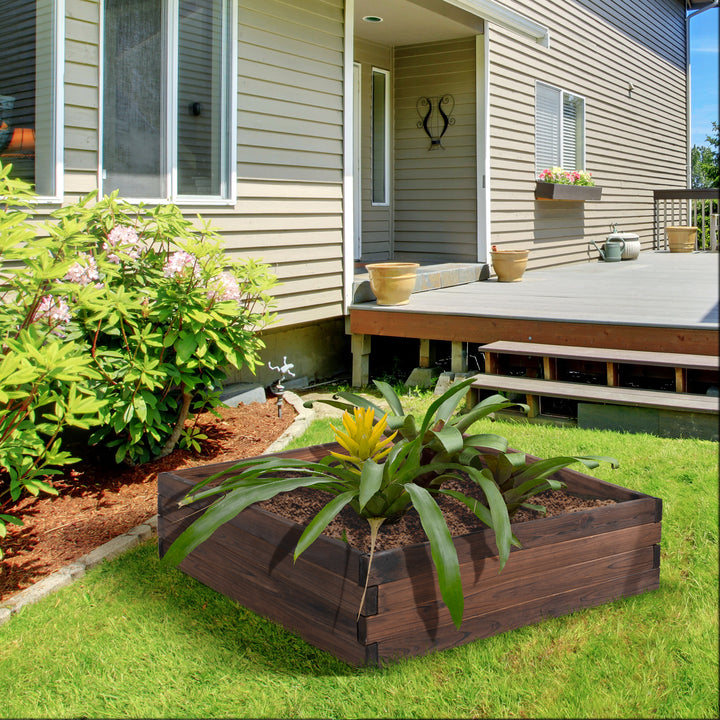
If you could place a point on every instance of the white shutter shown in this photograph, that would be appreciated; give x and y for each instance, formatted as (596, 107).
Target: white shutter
(547, 127)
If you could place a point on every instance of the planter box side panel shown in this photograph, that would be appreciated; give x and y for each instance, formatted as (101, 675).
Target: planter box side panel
(306, 597)
(432, 619)
(519, 615)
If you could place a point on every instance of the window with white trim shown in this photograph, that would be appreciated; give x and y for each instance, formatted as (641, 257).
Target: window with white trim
(28, 92)
(167, 90)
(380, 136)
(559, 129)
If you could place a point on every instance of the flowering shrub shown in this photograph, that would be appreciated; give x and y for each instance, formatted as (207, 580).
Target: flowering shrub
(566, 177)
(45, 376)
(118, 320)
(162, 313)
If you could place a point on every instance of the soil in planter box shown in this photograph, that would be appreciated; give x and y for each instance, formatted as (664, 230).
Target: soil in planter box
(301, 505)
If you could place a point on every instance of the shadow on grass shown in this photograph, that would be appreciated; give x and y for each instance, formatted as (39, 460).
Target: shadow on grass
(216, 624)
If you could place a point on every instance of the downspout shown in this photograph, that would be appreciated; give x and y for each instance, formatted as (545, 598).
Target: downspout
(688, 108)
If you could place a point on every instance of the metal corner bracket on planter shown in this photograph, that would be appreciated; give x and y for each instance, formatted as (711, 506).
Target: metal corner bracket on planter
(573, 193)
(567, 562)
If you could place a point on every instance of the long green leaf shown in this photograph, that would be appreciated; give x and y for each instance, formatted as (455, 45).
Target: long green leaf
(371, 478)
(442, 550)
(323, 518)
(450, 439)
(498, 511)
(226, 508)
(489, 405)
(391, 397)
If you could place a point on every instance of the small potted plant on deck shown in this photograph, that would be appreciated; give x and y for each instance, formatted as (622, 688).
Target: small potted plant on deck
(509, 265)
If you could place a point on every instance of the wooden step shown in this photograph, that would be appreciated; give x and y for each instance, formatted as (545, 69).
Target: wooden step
(599, 393)
(599, 354)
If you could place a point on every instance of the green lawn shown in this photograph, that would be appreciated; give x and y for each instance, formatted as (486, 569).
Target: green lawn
(134, 639)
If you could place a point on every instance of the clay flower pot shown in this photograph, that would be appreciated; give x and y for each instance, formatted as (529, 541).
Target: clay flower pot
(392, 282)
(509, 265)
(681, 238)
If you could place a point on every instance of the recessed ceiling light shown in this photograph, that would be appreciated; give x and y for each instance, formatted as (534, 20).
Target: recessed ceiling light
(372, 19)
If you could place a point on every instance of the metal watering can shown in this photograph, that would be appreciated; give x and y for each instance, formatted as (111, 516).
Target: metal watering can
(614, 247)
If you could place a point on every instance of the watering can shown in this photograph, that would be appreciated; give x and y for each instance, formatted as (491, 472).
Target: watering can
(614, 248)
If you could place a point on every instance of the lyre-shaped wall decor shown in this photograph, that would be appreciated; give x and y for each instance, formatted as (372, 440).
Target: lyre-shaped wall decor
(435, 116)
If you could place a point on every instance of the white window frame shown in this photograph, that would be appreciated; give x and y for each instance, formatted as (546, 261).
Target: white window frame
(386, 149)
(58, 105)
(563, 95)
(228, 110)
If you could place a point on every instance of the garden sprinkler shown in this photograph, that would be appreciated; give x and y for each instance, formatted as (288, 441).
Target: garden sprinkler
(277, 388)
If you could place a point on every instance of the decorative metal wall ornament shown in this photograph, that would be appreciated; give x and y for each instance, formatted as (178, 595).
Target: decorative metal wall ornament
(435, 116)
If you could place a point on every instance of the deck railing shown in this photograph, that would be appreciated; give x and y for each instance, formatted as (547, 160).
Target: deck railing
(687, 207)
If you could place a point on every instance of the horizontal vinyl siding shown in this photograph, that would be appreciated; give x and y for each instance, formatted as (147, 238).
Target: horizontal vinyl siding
(635, 142)
(435, 190)
(82, 58)
(290, 161)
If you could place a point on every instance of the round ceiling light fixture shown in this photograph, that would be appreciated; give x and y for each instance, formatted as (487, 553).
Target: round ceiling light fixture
(372, 19)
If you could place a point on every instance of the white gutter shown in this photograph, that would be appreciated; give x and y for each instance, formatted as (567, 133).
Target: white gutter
(688, 106)
(506, 18)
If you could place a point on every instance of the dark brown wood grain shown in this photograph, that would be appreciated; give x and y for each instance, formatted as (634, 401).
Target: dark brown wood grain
(567, 562)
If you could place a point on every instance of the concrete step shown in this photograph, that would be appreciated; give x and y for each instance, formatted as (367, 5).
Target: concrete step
(429, 277)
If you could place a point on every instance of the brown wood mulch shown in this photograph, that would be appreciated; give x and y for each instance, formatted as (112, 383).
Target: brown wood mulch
(99, 500)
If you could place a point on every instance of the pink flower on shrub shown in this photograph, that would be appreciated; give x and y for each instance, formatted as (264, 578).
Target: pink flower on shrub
(122, 235)
(178, 262)
(122, 239)
(54, 310)
(83, 273)
(224, 287)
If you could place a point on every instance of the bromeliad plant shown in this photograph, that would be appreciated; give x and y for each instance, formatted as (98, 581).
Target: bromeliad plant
(383, 474)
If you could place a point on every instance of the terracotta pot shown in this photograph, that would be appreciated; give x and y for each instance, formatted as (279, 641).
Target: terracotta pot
(392, 282)
(509, 265)
(566, 563)
(681, 238)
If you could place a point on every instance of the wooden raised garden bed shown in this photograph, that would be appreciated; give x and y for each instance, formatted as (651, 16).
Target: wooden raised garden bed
(567, 562)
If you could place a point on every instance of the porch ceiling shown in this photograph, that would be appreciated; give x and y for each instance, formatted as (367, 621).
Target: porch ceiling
(406, 22)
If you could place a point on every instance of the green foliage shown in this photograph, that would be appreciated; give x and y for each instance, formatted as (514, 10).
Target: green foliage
(44, 373)
(161, 313)
(117, 319)
(413, 469)
(705, 162)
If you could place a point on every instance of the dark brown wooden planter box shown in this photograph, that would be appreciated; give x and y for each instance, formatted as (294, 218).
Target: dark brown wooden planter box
(567, 562)
(558, 191)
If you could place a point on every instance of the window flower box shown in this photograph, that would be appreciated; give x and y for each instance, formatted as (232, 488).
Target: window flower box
(561, 191)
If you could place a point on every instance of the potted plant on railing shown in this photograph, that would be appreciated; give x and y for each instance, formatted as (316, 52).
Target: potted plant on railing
(369, 607)
(558, 184)
(509, 265)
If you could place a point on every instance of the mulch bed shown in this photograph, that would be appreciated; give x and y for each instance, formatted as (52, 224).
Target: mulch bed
(99, 500)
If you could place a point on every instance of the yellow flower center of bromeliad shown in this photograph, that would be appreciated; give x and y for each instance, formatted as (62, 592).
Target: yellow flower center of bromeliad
(361, 439)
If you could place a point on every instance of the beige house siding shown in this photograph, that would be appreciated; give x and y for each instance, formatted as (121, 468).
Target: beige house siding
(82, 57)
(376, 220)
(635, 139)
(436, 190)
(289, 144)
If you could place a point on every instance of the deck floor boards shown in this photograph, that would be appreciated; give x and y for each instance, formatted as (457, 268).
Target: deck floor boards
(661, 289)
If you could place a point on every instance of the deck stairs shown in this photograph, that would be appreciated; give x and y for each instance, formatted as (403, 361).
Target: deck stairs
(670, 394)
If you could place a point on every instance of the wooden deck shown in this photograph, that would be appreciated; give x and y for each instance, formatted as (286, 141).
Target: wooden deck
(662, 302)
